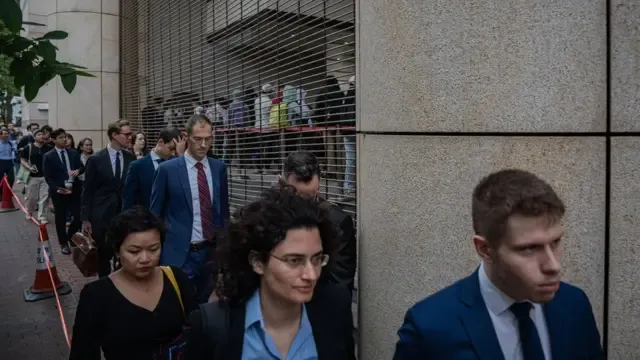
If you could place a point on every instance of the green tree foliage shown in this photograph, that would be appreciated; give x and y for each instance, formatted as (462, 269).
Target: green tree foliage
(32, 62)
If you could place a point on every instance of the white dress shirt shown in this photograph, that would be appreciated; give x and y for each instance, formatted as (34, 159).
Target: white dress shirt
(62, 154)
(155, 159)
(192, 172)
(505, 322)
(112, 156)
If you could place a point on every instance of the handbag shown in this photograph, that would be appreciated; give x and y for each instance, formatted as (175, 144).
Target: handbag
(85, 254)
(24, 174)
(176, 347)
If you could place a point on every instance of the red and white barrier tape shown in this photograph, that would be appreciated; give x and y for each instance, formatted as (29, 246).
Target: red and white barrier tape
(4, 182)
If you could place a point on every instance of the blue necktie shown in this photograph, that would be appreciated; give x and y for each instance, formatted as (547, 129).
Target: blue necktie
(529, 338)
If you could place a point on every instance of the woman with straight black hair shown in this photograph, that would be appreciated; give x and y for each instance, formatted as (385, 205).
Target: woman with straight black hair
(270, 306)
(138, 310)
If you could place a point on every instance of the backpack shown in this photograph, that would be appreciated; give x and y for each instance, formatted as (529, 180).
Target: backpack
(278, 116)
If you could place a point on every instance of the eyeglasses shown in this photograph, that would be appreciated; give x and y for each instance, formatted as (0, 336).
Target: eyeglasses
(299, 262)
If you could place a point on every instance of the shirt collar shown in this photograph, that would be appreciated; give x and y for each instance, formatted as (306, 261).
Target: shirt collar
(154, 156)
(112, 151)
(253, 314)
(191, 162)
(497, 301)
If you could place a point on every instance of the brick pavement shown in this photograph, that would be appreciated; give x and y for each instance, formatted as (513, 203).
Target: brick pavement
(32, 330)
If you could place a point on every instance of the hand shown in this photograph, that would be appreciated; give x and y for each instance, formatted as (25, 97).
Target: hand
(86, 227)
(64, 192)
(34, 169)
(74, 173)
(181, 145)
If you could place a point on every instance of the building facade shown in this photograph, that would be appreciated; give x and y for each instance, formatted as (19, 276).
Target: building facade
(446, 93)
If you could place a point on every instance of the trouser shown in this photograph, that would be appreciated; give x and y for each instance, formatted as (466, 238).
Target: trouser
(64, 204)
(37, 197)
(350, 163)
(7, 168)
(200, 268)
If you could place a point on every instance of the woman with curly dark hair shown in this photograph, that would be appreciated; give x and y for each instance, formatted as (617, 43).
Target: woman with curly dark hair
(270, 306)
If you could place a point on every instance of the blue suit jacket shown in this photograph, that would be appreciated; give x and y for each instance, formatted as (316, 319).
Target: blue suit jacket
(454, 324)
(137, 186)
(171, 200)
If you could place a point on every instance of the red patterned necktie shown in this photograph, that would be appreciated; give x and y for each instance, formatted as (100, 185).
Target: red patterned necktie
(204, 196)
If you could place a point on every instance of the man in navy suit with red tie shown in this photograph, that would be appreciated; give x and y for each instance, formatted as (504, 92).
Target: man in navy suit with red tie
(514, 306)
(191, 194)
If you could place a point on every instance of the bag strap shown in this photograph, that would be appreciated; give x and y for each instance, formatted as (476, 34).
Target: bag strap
(172, 278)
(216, 323)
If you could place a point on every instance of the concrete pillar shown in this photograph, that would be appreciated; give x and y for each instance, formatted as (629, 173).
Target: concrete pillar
(499, 72)
(37, 11)
(93, 42)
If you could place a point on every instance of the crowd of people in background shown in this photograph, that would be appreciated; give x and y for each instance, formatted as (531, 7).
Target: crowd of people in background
(180, 276)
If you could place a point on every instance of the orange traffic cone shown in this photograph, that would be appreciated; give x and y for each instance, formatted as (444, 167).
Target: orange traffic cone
(42, 287)
(6, 204)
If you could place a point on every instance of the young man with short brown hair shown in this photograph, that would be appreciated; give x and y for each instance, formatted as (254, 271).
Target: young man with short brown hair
(514, 306)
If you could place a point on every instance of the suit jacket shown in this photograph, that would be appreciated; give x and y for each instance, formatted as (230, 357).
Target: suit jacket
(55, 171)
(137, 186)
(102, 192)
(342, 265)
(454, 323)
(171, 200)
(329, 313)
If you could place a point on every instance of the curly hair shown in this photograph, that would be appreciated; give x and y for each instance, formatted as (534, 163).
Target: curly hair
(260, 226)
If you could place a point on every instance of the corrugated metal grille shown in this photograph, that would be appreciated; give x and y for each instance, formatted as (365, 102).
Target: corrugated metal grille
(181, 56)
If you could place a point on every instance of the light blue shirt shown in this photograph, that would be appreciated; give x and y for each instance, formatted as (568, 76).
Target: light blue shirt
(505, 323)
(192, 172)
(258, 345)
(7, 150)
(155, 159)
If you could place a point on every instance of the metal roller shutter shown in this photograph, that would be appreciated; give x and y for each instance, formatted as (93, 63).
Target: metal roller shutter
(180, 56)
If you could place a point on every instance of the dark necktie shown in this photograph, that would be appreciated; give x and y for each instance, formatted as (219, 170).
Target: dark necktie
(65, 160)
(531, 345)
(204, 196)
(118, 165)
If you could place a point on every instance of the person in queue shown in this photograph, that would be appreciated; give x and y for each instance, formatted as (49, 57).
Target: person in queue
(514, 306)
(104, 178)
(191, 194)
(136, 310)
(273, 307)
(302, 171)
(61, 168)
(139, 181)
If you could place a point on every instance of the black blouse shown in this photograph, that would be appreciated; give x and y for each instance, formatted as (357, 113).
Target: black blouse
(106, 319)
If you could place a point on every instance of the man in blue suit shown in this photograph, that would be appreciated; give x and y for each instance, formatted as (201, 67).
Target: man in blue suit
(137, 186)
(191, 194)
(514, 306)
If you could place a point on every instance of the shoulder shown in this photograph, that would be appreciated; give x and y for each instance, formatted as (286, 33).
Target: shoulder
(173, 162)
(98, 153)
(180, 276)
(217, 164)
(438, 309)
(128, 154)
(96, 290)
(570, 294)
(336, 212)
(74, 152)
(138, 162)
(330, 295)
